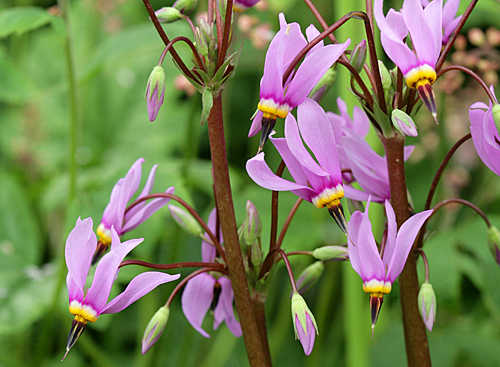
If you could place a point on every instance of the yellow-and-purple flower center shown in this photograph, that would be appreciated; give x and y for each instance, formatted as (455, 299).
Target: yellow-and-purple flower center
(273, 110)
(420, 75)
(329, 197)
(83, 313)
(104, 234)
(377, 288)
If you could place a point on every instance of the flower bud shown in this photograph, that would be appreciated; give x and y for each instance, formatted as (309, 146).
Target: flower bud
(156, 82)
(185, 6)
(403, 123)
(331, 253)
(185, 220)
(256, 255)
(494, 242)
(252, 227)
(304, 323)
(427, 305)
(155, 328)
(385, 76)
(241, 5)
(324, 85)
(168, 15)
(358, 56)
(201, 43)
(496, 115)
(310, 276)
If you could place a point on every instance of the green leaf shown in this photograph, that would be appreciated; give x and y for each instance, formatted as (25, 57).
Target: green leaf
(20, 20)
(208, 102)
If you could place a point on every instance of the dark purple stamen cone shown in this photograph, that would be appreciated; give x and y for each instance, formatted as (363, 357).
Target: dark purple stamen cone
(100, 250)
(267, 128)
(427, 96)
(76, 330)
(337, 213)
(375, 306)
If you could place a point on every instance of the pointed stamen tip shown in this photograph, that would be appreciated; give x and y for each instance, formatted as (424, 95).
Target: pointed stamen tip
(65, 354)
(434, 114)
(337, 213)
(373, 330)
(259, 150)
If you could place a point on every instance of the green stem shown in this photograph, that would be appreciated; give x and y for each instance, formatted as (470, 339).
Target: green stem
(255, 346)
(417, 346)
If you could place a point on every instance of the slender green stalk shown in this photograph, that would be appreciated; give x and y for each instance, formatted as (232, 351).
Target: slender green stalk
(417, 346)
(252, 336)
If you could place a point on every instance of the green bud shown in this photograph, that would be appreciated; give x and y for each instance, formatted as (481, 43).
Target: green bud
(185, 6)
(252, 227)
(496, 115)
(427, 305)
(201, 43)
(385, 76)
(331, 253)
(256, 255)
(494, 242)
(358, 56)
(155, 328)
(403, 123)
(168, 15)
(186, 220)
(324, 84)
(310, 276)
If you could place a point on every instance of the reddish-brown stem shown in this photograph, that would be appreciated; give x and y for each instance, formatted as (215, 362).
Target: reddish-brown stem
(189, 264)
(191, 46)
(252, 336)
(417, 347)
(188, 207)
(164, 37)
(218, 26)
(399, 87)
(441, 168)
(274, 209)
(225, 37)
(320, 19)
(291, 253)
(288, 268)
(463, 202)
(426, 264)
(472, 74)
(288, 221)
(367, 95)
(454, 35)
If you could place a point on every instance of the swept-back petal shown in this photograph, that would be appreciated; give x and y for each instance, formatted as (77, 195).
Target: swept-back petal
(208, 250)
(137, 288)
(80, 247)
(196, 300)
(353, 228)
(224, 311)
(311, 70)
(292, 164)
(105, 273)
(259, 171)
(433, 15)
(311, 33)
(317, 133)
(405, 238)
(145, 191)
(392, 231)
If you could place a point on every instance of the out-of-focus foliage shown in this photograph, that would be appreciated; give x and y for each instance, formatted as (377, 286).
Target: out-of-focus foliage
(115, 48)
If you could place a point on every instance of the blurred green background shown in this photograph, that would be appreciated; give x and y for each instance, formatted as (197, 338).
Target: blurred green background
(114, 48)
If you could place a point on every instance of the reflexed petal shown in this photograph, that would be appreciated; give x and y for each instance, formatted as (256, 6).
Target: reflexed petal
(361, 123)
(311, 33)
(448, 30)
(259, 171)
(311, 70)
(306, 339)
(256, 124)
(353, 228)
(450, 9)
(358, 195)
(196, 300)
(292, 164)
(404, 242)
(433, 16)
(145, 191)
(392, 231)
(132, 221)
(208, 250)
(137, 288)
(318, 135)
(105, 273)
(224, 311)
(80, 247)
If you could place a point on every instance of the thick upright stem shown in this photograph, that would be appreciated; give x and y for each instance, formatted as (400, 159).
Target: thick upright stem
(255, 346)
(417, 346)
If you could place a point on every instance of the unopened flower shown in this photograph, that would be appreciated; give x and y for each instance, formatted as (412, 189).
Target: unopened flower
(494, 242)
(167, 15)
(427, 305)
(403, 123)
(317, 182)
(328, 253)
(425, 29)
(206, 292)
(186, 7)
(88, 305)
(155, 91)
(310, 276)
(242, 5)
(252, 226)
(184, 219)
(484, 131)
(379, 272)
(155, 328)
(277, 98)
(114, 213)
(304, 323)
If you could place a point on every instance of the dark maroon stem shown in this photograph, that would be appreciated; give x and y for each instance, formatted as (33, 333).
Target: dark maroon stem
(472, 74)
(417, 347)
(426, 264)
(189, 264)
(252, 336)
(288, 221)
(225, 37)
(463, 202)
(288, 268)
(193, 212)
